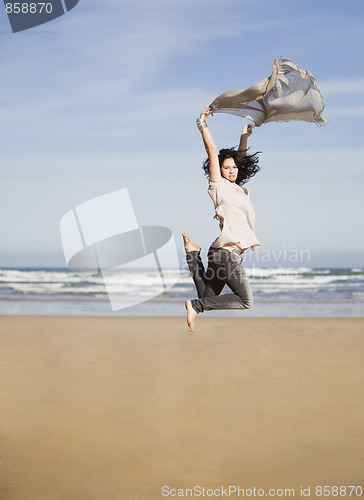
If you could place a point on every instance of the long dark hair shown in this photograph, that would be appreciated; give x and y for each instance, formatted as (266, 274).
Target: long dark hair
(247, 164)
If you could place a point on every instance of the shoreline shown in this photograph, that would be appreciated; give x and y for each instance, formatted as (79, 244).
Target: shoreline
(118, 407)
(175, 308)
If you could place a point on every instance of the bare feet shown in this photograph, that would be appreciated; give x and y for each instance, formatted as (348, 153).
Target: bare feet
(189, 246)
(191, 315)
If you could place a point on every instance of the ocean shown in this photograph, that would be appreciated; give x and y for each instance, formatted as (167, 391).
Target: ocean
(278, 292)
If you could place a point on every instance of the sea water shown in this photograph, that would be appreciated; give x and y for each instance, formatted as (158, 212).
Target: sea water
(278, 292)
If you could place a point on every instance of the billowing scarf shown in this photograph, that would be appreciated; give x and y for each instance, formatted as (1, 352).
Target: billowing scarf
(290, 93)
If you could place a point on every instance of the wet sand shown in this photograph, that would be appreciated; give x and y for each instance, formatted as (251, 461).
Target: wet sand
(116, 408)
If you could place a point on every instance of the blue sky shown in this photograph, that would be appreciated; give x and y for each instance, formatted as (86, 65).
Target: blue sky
(106, 97)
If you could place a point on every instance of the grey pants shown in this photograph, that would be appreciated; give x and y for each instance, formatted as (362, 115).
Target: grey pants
(224, 268)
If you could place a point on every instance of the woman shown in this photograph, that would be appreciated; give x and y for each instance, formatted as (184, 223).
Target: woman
(227, 170)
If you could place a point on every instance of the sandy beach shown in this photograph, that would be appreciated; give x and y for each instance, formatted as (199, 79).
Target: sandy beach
(116, 408)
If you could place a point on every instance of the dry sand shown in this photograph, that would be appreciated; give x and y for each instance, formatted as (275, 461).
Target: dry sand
(116, 408)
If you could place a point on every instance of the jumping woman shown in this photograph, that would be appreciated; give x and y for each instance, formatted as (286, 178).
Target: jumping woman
(227, 170)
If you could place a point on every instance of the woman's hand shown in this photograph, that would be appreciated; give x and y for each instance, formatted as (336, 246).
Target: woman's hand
(248, 130)
(205, 113)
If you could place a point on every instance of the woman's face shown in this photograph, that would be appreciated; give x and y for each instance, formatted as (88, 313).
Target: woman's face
(229, 170)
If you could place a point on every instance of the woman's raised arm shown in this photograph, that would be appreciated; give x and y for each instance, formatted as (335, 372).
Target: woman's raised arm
(245, 133)
(210, 146)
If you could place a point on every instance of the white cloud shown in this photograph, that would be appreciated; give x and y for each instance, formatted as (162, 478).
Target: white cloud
(342, 86)
(349, 111)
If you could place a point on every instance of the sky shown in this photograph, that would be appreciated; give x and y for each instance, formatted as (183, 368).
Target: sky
(106, 97)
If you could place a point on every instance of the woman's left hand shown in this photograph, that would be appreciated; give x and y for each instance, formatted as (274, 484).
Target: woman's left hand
(248, 130)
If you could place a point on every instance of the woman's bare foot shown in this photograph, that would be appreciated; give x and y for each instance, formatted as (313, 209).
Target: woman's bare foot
(189, 246)
(191, 315)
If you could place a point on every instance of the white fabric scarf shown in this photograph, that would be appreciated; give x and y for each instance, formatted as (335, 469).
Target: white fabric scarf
(290, 93)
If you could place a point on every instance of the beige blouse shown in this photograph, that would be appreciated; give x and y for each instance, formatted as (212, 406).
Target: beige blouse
(235, 213)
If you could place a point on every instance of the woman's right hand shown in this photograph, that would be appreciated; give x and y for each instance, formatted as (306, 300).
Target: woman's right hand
(205, 112)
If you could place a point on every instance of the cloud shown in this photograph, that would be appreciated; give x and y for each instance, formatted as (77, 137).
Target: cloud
(96, 76)
(349, 111)
(113, 48)
(342, 86)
